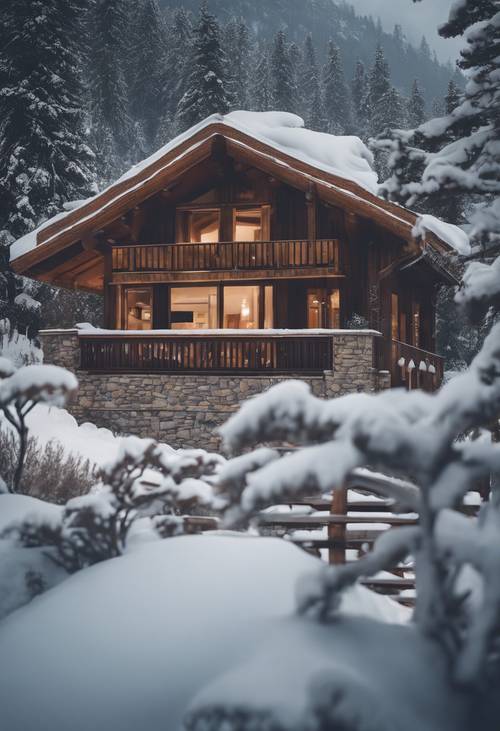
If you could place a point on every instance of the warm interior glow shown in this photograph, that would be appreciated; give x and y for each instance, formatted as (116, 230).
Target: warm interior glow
(323, 310)
(247, 224)
(241, 307)
(139, 309)
(204, 226)
(193, 308)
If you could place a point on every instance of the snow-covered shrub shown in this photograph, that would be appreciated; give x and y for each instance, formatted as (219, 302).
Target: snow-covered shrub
(20, 391)
(147, 480)
(417, 436)
(50, 473)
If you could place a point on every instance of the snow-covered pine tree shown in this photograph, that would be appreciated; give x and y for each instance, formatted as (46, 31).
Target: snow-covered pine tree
(466, 143)
(178, 47)
(205, 90)
(359, 91)
(261, 92)
(45, 158)
(416, 106)
(337, 99)
(112, 132)
(282, 75)
(379, 86)
(148, 73)
(237, 48)
(452, 98)
(309, 92)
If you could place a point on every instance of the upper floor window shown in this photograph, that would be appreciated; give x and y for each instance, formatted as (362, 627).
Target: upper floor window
(204, 226)
(247, 224)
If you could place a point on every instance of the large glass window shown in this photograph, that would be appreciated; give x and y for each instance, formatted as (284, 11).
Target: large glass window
(202, 226)
(241, 307)
(193, 308)
(247, 224)
(139, 314)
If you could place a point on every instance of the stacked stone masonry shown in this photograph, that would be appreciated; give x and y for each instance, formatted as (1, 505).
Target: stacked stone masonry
(185, 410)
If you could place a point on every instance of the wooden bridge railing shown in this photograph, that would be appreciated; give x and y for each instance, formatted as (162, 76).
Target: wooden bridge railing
(226, 256)
(206, 353)
(410, 367)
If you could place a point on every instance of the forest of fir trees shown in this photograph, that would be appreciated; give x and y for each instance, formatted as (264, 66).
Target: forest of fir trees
(131, 76)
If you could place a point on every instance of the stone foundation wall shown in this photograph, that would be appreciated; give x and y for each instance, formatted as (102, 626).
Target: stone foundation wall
(184, 410)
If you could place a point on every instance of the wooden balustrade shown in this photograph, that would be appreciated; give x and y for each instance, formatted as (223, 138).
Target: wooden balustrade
(411, 367)
(206, 354)
(227, 256)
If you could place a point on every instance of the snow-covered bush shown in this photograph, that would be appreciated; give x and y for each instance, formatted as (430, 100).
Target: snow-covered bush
(147, 480)
(50, 472)
(20, 391)
(414, 435)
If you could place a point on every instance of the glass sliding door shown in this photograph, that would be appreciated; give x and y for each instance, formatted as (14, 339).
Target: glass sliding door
(241, 307)
(323, 308)
(193, 308)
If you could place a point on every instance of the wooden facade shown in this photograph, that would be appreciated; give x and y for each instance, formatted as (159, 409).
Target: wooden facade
(220, 235)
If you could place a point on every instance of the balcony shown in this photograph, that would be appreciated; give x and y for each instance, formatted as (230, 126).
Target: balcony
(227, 256)
(259, 352)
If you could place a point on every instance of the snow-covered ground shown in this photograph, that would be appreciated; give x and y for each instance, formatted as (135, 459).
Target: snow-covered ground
(49, 423)
(132, 642)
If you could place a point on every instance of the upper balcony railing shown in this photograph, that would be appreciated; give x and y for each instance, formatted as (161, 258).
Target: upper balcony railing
(227, 256)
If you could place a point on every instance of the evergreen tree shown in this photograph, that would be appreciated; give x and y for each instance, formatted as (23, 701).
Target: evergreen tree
(398, 35)
(205, 93)
(338, 110)
(452, 98)
(261, 87)
(179, 42)
(282, 75)
(359, 91)
(45, 159)
(111, 123)
(378, 88)
(311, 102)
(425, 48)
(416, 106)
(150, 69)
(237, 48)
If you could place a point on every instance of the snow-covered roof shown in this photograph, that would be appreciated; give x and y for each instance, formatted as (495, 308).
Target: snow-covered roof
(346, 158)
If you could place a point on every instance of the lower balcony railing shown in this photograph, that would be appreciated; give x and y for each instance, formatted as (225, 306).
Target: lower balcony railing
(226, 256)
(201, 354)
(412, 367)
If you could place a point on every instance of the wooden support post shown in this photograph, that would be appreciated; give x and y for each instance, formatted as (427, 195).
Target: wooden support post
(338, 532)
(311, 213)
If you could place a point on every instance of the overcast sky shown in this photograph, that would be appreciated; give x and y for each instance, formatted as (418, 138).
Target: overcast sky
(417, 19)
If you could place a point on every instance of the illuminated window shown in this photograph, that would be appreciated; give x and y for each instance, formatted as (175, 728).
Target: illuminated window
(139, 314)
(394, 317)
(202, 226)
(193, 308)
(334, 313)
(268, 307)
(323, 311)
(247, 224)
(241, 307)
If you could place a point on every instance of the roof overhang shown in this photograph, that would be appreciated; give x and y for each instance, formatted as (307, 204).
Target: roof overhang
(116, 200)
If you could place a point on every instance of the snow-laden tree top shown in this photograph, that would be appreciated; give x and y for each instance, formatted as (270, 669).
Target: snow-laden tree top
(346, 157)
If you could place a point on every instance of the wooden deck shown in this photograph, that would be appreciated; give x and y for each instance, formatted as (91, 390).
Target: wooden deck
(227, 256)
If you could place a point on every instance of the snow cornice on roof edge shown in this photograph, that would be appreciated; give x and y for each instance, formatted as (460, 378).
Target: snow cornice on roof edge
(339, 168)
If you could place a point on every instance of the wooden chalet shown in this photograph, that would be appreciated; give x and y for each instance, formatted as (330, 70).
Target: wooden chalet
(212, 248)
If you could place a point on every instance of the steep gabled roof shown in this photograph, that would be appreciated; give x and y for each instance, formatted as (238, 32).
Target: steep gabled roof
(276, 142)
